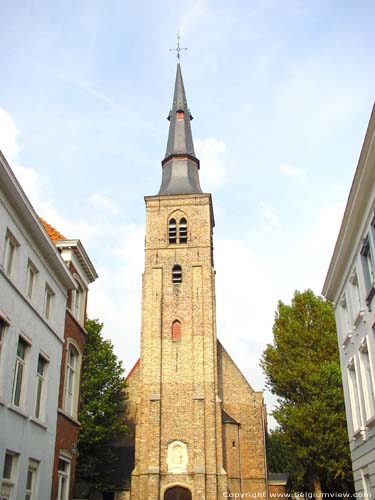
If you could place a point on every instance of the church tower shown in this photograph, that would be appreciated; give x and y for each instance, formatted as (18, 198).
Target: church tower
(187, 443)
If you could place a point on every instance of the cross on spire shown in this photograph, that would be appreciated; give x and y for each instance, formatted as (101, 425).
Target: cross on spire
(178, 48)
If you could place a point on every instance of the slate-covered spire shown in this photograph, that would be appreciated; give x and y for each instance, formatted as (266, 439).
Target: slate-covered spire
(180, 165)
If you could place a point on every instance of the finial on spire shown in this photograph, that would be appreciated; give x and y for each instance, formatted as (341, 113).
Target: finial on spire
(178, 48)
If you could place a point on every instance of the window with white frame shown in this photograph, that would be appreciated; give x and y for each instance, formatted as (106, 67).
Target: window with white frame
(71, 380)
(3, 326)
(31, 481)
(345, 320)
(367, 264)
(354, 396)
(30, 279)
(367, 380)
(9, 476)
(11, 245)
(40, 386)
(355, 295)
(366, 484)
(19, 371)
(63, 475)
(48, 302)
(78, 300)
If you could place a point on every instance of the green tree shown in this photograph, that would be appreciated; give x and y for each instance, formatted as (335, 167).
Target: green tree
(102, 410)
(302, 368)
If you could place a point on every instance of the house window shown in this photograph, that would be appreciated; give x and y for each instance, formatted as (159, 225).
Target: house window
(31, 480)
(367, 380)
(78, 300)
(367, 264)
(40, 386)
(71, 380)
(11, 245)
(63, 479)
(31, 278)
(183, 230)
(366, 483)
(3, 326)
(48, 302)
(355, 295)
(176, 274)
(354, 395)
(176, 330)
(172, 231)
(345, 321)
(9, 476)
(19, 371)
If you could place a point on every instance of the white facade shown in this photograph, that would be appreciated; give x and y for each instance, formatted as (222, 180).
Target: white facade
(350, 283)
(33, 289)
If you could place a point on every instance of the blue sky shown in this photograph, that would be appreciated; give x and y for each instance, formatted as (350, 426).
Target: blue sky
(281, 93)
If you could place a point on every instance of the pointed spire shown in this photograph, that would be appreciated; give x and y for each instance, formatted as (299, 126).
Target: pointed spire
(180, 165)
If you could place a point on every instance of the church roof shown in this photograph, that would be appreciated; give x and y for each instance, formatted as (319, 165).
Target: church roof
(227, 419)
(180, 139)
(180, 165)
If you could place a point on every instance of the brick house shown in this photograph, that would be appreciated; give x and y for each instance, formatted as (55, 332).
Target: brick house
(83, 273)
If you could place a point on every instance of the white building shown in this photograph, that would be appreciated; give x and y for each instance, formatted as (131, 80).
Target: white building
(34, 281)
(350, 283)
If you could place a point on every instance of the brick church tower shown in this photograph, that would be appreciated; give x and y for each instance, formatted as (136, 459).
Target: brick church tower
(198, 425)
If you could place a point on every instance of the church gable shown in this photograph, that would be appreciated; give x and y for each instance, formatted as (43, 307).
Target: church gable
(243, 421)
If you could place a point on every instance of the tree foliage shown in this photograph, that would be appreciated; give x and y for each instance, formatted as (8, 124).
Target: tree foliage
(302, 368)
(102, 409)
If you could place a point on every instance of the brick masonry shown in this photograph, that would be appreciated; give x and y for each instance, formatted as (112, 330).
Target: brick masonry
(180, 388)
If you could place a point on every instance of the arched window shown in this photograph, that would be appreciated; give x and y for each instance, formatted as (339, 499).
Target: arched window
(176, 330)
(176, 274)
(183, 230)
(172, 231)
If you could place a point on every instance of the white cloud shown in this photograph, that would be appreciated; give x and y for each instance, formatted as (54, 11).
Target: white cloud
(268, 219)
(102, 202)
(292, 172)
(314, 247)
(211, 154)
(8, 136)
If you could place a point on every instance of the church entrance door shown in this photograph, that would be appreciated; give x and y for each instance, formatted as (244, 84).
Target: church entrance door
(177, 493)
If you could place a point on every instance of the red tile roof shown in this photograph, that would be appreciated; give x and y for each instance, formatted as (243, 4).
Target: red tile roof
(52, 232)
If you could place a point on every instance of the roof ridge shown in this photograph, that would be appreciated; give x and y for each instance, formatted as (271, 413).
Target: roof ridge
(52, 232)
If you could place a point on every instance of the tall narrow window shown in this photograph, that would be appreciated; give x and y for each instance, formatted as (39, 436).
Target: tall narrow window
(31, 278)
(71, 380)
(3, 326)
(48, 302)
(63, 479)
(19, 371)
(176, 274)
(40, 389)
(355, 295)
(11, 245)
(172, 231)
(9, 475)
(367, 264)
(367, 380)
(176, 330)
(30, 493)
(183, 230)
(354, 396)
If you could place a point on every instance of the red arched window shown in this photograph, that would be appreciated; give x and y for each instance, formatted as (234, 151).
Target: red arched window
(176, 330)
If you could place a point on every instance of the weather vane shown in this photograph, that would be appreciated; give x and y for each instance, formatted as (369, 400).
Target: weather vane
(178, 48)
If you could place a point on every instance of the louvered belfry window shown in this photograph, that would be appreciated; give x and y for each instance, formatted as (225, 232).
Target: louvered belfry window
(172, 231)
(183, 230)
(176, 274)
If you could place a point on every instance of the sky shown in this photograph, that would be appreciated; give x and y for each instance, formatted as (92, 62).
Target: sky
(281, 94)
